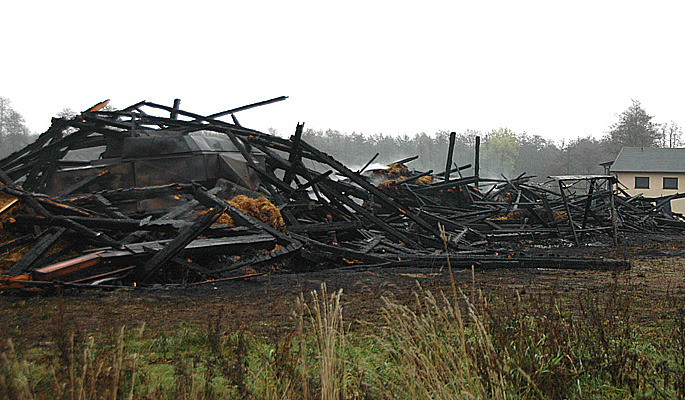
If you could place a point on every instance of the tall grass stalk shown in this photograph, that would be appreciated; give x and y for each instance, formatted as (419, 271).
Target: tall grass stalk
(430, 344)
(325, 314)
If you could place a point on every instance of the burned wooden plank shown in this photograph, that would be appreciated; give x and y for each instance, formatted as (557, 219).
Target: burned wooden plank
(326, 227)
(446, 184)
(271, 256)
(107, 207)
(349, 254)
(109, 224)
(86, 233)
(14, 243)
(317, 179)
(65, 268)
(45, 241)
(83, 183)
(184, 237)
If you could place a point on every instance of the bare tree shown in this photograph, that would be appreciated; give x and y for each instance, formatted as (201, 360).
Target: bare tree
(13, 132)
(671, 135)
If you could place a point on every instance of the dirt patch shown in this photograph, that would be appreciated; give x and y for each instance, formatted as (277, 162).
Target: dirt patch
(264, 305)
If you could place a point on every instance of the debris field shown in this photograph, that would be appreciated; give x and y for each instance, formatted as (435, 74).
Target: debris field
(153, 194)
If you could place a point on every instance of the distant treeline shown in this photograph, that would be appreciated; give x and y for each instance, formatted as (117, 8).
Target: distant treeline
(502, 151)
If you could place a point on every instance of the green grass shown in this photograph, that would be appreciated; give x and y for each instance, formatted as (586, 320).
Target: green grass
(456, 345)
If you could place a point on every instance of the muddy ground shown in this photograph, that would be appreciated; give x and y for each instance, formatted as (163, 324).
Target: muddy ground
(264, 305)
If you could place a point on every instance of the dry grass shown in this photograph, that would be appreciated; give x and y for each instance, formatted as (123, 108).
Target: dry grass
(458, 344)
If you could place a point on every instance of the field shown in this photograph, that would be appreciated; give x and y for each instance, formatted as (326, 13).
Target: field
(378, 333)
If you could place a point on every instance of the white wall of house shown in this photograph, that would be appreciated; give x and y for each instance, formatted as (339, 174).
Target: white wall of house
(656, 186)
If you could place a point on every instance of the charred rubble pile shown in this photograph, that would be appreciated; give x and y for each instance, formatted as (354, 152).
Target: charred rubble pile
(153, 194)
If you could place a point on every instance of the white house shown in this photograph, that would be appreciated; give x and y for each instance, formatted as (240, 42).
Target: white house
(655, 172)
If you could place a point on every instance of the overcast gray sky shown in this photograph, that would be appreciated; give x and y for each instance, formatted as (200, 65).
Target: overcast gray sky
(560, 70)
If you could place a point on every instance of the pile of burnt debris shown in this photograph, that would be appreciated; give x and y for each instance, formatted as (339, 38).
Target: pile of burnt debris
(152, 194)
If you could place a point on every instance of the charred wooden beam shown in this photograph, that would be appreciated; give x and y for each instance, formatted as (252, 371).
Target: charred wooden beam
(184, 237)
(83, 183)
(110, 224)
(447, 184)
(450, 153)
(389, 229)
(45, 241)
(295, 157)
(362, 169)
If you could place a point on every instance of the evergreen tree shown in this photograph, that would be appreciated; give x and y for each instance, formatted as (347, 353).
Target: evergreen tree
(633, 129)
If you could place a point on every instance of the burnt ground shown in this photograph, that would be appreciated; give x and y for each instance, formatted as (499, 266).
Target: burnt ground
(264, 305)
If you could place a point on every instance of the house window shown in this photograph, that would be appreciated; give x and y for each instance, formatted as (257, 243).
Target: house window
(670, 183)
(641, 182)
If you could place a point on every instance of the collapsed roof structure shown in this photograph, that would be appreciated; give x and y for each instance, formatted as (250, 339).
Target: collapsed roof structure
(154, 194)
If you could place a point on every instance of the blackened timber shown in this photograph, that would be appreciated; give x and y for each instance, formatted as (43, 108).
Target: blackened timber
(6, 180)
(20, 241)
(588, 203)
(368, 163)
(568, 212)
(44, 242)
(311, 182)
(271, 180)
(447, 184)
(271, 256)
(405, 160)
(373, 242)
(326, 227)
(171, 215)
(349, 254)
(455, 169)
(247, 107)
(295, 154)
(107, 207)
(176, 107)
(389, 229)
(54, 131)
(184, 237)
(83, 183)
(119, 225)
(382, 197)
(476, 160)
(450, 153)
(87, 233)
(63, 208)
(29, 198)
(146, 192)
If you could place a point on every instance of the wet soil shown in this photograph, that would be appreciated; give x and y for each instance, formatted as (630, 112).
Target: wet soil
(264, 305)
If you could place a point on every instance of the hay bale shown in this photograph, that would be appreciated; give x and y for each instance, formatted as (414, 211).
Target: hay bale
(260, 208)
(425, 180)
